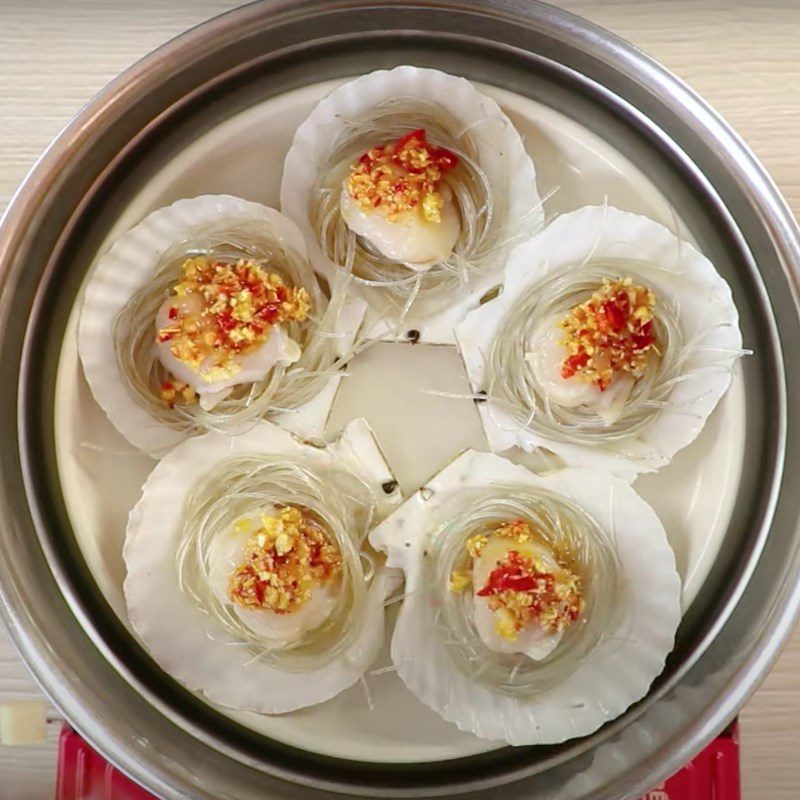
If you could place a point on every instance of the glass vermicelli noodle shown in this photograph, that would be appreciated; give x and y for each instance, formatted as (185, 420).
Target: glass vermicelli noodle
(514, 384)
(485, 229)
(338, 502)
(575, 540)
(283, 388)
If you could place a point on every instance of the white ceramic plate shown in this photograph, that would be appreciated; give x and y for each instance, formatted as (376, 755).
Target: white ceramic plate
(389, 386)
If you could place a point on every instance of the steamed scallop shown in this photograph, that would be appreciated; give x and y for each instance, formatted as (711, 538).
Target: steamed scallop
(610, 344)
(503, 569)
(536, 608)
(278, 541)
(201, 317)
(396, 197)
(224, 326)
(417, 184)
(576, 379)
(249, 577)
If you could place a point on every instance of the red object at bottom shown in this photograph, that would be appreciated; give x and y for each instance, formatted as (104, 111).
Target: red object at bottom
(83, 774)
(711, 775)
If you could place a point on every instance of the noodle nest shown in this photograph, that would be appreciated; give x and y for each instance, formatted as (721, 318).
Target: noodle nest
(284, 387)
(493, 186)
(484, 238)
(245, 486)
(572, 536)
(512, 381)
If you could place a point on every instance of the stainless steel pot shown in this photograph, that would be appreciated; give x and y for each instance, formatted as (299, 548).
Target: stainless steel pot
(92, 668)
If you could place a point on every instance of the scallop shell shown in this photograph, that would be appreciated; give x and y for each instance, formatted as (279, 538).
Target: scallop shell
(128, 265)
(184, 641)
(615, 674)
(501, 153)
(707, 314)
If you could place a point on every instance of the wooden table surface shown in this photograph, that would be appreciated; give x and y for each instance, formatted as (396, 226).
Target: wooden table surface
(742, 56)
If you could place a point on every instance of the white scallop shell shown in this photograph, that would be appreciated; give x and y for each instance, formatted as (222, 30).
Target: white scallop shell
(184, 641)
(619, 670)
(708, 317)
(128, 265)
(501, 154)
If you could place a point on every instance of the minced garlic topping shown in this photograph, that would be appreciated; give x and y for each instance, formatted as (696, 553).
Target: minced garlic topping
(398, 177)
(175, 391)
(611, 332)
(518, 530)
(519, 588)
(222, 310)
(285, 559)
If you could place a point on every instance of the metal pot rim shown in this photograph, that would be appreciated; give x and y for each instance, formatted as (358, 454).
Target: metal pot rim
(26, 214)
